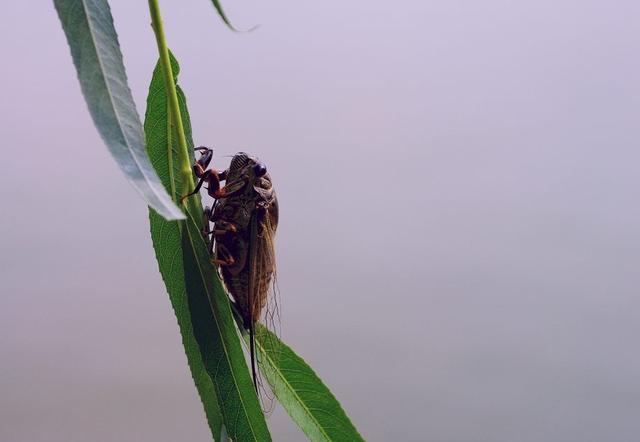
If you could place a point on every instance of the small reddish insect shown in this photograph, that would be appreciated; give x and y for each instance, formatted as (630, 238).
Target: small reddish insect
(245, 218)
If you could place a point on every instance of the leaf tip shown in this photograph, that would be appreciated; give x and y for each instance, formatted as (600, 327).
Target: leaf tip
(225, 19)
(170, 212)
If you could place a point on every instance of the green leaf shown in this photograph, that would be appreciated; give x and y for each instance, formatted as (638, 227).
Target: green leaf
(96, 54)
(168, 238)
(223, 16)
(204, 314)
(301, 392)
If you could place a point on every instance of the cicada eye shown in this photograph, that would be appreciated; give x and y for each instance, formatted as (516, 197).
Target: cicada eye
(259, 169)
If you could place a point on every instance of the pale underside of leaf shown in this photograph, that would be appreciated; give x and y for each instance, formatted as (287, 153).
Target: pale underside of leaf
(95, 50)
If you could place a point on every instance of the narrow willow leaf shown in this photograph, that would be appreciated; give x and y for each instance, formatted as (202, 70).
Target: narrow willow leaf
(220, 345)
(223, 16)
(208, 329)
(301, 392)
(167, 237)
(96, 54)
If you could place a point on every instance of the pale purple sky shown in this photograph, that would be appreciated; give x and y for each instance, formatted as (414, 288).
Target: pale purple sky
(458, 249)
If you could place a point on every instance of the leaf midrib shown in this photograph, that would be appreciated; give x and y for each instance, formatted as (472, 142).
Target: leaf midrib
(170, 151)
(293, 391)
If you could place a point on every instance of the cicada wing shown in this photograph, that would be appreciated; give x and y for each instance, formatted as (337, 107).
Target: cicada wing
(263, 289)
(269, 283)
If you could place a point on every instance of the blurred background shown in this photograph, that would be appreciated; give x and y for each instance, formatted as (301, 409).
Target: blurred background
(458, 249)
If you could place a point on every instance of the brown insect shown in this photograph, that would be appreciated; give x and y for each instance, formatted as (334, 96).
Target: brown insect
(245, 218)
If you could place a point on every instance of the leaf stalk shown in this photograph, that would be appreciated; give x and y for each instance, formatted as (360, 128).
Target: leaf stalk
(172, 94)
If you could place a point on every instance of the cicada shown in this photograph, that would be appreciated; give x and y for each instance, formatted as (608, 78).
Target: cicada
(244, 218)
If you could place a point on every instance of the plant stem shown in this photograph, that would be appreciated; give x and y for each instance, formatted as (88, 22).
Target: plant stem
(172, 95)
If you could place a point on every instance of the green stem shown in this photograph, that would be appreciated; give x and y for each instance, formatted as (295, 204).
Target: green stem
(172, 95)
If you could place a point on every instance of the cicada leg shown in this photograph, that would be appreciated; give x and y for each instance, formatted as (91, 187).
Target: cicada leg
(223, 256)
(224, 227)
(211, 176)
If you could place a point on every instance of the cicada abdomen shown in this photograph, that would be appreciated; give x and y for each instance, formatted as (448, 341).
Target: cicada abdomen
(245, 218)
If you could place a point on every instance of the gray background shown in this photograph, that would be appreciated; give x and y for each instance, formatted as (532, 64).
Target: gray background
(459, 244)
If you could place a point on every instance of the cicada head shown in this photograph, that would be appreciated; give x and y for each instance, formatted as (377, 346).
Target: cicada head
(252, 170)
